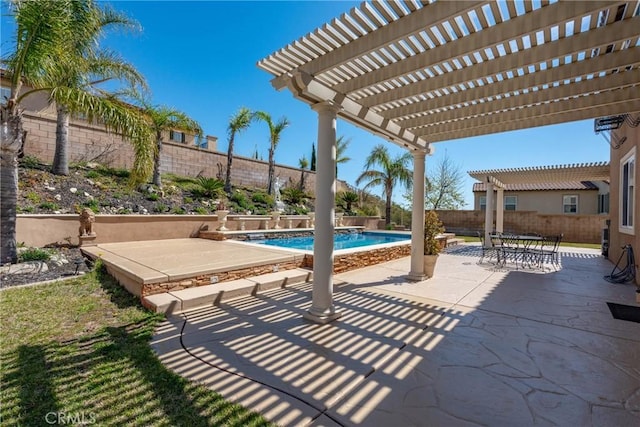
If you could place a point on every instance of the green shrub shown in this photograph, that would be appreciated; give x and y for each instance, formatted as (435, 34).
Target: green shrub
(93, 205)
(208, 187)
(93, 174)
(432, 227)
(30, 162)
(263, 198)
(178, 211)
(160, 208)
(240, 199)
(33, 197)
(51, 206)
(153, 197)
(188, 200)
(34, 254)
(293, 195)
(114, 172)
(201, 210)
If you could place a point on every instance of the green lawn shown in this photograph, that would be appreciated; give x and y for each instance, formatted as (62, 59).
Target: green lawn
(81, 348)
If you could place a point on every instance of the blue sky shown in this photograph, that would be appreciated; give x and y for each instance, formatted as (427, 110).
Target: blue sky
(200, 57)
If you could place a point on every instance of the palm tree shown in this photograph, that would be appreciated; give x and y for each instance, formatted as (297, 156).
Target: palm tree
(275, 131)
(162, 119)
(346, 200)
(393, 171)
(304, 163)
(341, 147)
(45, 31)
(238, 123)
(85, 68)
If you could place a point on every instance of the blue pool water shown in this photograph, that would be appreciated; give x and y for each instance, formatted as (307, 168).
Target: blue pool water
(341, 241)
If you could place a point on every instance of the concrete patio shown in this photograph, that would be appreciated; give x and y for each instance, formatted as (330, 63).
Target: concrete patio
(474, 345)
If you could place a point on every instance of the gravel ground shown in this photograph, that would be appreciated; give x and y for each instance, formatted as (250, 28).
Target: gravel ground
(61, 266)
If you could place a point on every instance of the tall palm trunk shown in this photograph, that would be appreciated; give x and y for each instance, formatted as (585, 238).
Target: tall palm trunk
(157, 180)
(387, 209)
(61, 158)
(272, 171)
(302, 180)
(10, 142)
(227, 181)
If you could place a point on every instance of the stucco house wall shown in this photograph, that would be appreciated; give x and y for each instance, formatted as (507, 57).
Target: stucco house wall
(548, 201)
(620, 237)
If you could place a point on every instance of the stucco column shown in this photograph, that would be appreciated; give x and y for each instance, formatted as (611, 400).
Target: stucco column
(417, 218)
(488, 219)
(499, 209)
(322, 309)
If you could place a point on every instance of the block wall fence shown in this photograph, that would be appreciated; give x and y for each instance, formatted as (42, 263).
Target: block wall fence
(576, 228)
(92, 143)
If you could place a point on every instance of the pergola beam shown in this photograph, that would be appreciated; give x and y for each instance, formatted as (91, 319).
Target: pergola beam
(600, 37)
(435, 13)
(494, 126)
(312, 91)
(614, 60)
(529, 100)
(529, 23)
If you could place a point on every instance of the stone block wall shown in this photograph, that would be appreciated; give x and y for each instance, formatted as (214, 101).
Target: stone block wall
(576, 228)
(88, 142)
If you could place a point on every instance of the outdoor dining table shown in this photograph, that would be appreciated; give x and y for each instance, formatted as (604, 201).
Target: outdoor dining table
(528, 249)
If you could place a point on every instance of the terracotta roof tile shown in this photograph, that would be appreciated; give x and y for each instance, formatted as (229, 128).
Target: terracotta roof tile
(575, 185)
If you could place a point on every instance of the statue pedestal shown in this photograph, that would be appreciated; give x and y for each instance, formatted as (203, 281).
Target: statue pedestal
(87, 239)
(275, 216)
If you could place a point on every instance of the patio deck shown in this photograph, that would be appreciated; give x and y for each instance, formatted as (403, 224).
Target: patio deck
(471, 346)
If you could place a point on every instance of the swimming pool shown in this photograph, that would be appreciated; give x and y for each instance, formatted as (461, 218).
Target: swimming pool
(340, 241)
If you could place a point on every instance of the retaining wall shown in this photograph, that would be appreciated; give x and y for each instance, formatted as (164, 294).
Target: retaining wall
(576, 228)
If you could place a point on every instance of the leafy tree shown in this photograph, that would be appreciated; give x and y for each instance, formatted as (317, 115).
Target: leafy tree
(238, 123)
(313, 157)
(275, 131)
(162, 118)
(81, 66)
(303, 163)
(341, 147)
(392, 171)
(44, 44)
(444, 186)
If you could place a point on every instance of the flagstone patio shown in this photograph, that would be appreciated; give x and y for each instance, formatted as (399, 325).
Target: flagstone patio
(474, 345)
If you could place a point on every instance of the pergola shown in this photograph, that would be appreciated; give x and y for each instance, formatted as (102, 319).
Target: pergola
(498, 179)
(419, 72)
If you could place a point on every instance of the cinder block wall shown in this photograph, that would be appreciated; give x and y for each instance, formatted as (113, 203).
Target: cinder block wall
(576, 228)
(92, 143)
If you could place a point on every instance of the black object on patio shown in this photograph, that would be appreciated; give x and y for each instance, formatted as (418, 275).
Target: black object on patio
(624, 312)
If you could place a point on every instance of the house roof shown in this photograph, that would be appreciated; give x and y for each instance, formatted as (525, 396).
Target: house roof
(417, 72)
(598, 171)
(541, 186)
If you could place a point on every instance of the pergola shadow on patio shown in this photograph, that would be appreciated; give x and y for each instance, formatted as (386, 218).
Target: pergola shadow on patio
(472, 346)
(420, 72)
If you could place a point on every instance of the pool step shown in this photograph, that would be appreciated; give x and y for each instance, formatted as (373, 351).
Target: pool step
(192, 298)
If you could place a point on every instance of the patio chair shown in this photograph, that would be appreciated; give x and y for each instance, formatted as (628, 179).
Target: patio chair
(548, 251)
(531, 243)
(510, 248)
(489, 252)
